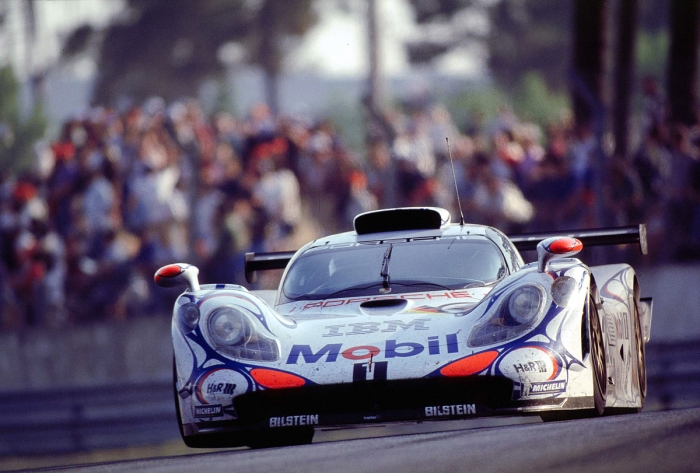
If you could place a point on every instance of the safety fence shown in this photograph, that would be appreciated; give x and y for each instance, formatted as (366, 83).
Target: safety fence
(90, 418)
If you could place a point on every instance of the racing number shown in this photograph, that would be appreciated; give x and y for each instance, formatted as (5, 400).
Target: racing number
(376, 371)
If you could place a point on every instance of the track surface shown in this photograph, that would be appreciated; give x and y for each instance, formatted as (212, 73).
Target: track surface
(648, 442)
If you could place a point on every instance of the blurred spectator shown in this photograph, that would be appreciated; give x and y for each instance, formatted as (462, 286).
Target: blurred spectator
(118, 195)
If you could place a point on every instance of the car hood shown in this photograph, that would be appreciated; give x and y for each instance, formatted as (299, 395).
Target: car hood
(434, 303)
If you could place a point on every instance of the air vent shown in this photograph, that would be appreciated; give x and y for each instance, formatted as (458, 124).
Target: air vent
(394, 220)
(383, 306)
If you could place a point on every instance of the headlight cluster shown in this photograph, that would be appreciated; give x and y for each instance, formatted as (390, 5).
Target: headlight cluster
(232, 332)
(188, 317)
(563, 288)
(517, 313)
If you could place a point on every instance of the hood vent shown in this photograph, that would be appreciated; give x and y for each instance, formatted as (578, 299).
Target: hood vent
(383, 306)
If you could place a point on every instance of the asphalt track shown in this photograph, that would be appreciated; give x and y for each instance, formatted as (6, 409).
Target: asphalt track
(666, 441)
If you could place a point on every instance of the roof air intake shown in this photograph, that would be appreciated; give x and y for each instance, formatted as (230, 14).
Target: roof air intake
(394, 220)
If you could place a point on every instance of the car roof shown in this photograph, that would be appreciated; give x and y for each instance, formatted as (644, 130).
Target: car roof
(450, 230)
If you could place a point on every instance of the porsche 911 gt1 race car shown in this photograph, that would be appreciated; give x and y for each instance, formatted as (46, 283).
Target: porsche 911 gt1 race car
(408, 318)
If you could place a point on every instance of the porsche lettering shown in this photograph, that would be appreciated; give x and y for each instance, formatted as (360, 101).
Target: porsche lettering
(413, 297)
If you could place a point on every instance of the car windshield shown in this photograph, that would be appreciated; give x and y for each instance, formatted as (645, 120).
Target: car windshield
(409, 266)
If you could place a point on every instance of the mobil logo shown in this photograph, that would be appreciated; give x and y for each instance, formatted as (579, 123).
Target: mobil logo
(330, 352)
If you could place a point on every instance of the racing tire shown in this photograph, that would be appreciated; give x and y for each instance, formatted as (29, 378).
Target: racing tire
(600, 372)
(641, 366)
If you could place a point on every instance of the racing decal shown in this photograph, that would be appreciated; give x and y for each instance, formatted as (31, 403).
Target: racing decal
(370, 371)
(214, 410)
(447, 309)
(548, 387)
(531, 367)
(364, 328)
(392, 349)
(616, 287)
(532, 364)
(450, 410)
(275, 379)
(290, 421)
(469, 365)
(411, 296)
(220, 385)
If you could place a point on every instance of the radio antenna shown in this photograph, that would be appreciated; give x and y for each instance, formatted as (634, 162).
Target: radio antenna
(454, 176)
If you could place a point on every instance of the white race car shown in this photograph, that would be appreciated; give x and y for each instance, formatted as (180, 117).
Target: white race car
(408, 318)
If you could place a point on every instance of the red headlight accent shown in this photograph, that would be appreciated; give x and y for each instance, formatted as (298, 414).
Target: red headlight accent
(273, 379)
(470, 365)
(565, 245)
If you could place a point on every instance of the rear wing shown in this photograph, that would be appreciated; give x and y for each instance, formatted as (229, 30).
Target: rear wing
(633, 234)
(264, 262)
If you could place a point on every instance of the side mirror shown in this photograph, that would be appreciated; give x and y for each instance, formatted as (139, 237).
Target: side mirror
(556, 247)
(179, 274)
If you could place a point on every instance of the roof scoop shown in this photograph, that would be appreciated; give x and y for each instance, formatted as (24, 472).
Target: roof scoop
(403, 219)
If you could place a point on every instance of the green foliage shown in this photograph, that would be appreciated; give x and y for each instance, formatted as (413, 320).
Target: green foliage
(9, 96)
(523, 35)
(534, 101)
(349, 119)
(652, 48)
(471, 109)
(17, 136)
(169, 47)
(530, 35)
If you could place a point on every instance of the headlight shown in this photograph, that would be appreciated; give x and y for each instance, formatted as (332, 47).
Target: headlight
(228, 326)
(188, 317)
(562, 289)
(524, 304)
(519, 311)
(232, 331)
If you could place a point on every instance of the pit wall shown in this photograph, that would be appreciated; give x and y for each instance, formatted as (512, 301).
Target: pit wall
(139, 350)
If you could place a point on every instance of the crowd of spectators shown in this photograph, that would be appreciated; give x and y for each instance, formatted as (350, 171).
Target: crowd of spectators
(118, 195)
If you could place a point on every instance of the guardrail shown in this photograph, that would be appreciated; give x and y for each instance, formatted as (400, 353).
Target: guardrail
(72, 420)
(83, 419)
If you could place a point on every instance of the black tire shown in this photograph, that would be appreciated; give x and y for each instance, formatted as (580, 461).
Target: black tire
(641, 356)
(600, 369)
(600, 372)
(641, 368)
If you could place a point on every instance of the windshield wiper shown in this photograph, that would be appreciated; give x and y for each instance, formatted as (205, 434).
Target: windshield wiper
(384, 273)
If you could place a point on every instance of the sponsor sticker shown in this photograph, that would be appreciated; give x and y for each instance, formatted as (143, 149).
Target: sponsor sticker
(550, 387)
(450, 410)
(214, 410)
(391, 349)
(291, 421)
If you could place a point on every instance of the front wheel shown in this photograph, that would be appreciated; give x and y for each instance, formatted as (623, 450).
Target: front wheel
(641, 369)
(598, 366)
